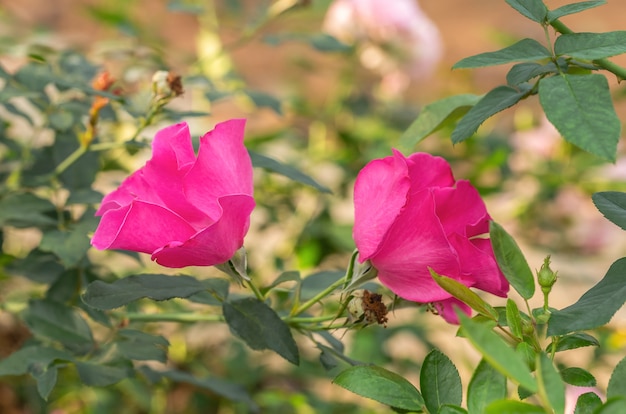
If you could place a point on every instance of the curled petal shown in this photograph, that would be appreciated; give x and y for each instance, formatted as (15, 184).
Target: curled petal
(223, 167)
(427, 171)
(461, 210)
(215, 244)
(140, 227)
(446, 309)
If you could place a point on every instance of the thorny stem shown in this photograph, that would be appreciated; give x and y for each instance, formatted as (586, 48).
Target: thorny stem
(617, 70)
(256, 291)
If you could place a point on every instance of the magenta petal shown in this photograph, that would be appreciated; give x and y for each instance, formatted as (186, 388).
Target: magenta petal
(380, 193)
(217, 243)
(461, 210)
(476, 257)
(427, 171)
(223, 167)
(414, 243)
(140, 227)
(132, 188)
(446, 309)
(172, 157)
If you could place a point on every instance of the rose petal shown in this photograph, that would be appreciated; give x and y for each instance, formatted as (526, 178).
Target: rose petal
(132, 188)
(427, 171)
(223, 167)
(446, 309)
(478, 260)
(172, 157)
(380, 193)
(217, 243)
(414, 243)
(140, 227)
(461, 210)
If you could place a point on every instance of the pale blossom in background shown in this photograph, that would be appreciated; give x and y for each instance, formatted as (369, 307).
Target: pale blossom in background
(396, 39)
(572, 393)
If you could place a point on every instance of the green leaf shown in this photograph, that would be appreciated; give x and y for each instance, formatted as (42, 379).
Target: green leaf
(523, 72)
(381, 385)
(58, 322)
(588, 403)
(573, 8)
(497, 352)
(617, 383)
(535, 10)
(581, 109)
(573, 341)
(465, 295)
(289, 276)
(70, 245)
(513, 318)
(46, 381)
(487, 385)
(596, 307)
(512, 407)
(591, 45)
(142, 346)
(578, 377)
(270, 164)
(101, 375)
(451, 409)
(260, 327)
(105, 296)
(439, 381)
(524, 50)
(612, 204)
(511, 261)
(494, 101)
(435, 115)
(26, 210)
(612, 406)
(216, 292)
(31, 359)
(550, 382)
(527, 353)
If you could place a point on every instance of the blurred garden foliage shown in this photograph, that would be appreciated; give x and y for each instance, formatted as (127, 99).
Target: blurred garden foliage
(75, 120)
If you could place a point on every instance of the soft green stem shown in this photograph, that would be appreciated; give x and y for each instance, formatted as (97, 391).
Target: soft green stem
(617, 70)
(330, 289)
(256, 291)
(71, 159)
(173, 317)
(315, 319)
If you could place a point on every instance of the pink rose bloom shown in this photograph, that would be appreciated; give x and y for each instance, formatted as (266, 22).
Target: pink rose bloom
(183, 209)
(411, 214)
(399, 41)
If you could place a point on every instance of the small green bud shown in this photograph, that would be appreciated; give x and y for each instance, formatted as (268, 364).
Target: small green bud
(546, 276)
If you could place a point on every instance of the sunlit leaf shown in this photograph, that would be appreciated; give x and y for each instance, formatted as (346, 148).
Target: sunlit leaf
(533, 9)
(573, 8)
(522, 51)
(511, 261)
(591, 45)
(612, 204)
(435, 115)
(439, 381)
(596, 307)
(494, 101)
(381, 385)
(497, 352)
(486, 385)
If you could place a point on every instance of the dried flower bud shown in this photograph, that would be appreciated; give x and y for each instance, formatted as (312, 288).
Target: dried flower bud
(166, 84)
(369, 307)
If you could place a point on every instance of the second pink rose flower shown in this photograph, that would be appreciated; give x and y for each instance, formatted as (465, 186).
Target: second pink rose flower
(411, 214)
(183, 209)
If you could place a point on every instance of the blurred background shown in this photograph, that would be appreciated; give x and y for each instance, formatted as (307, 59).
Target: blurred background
(326, 108)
